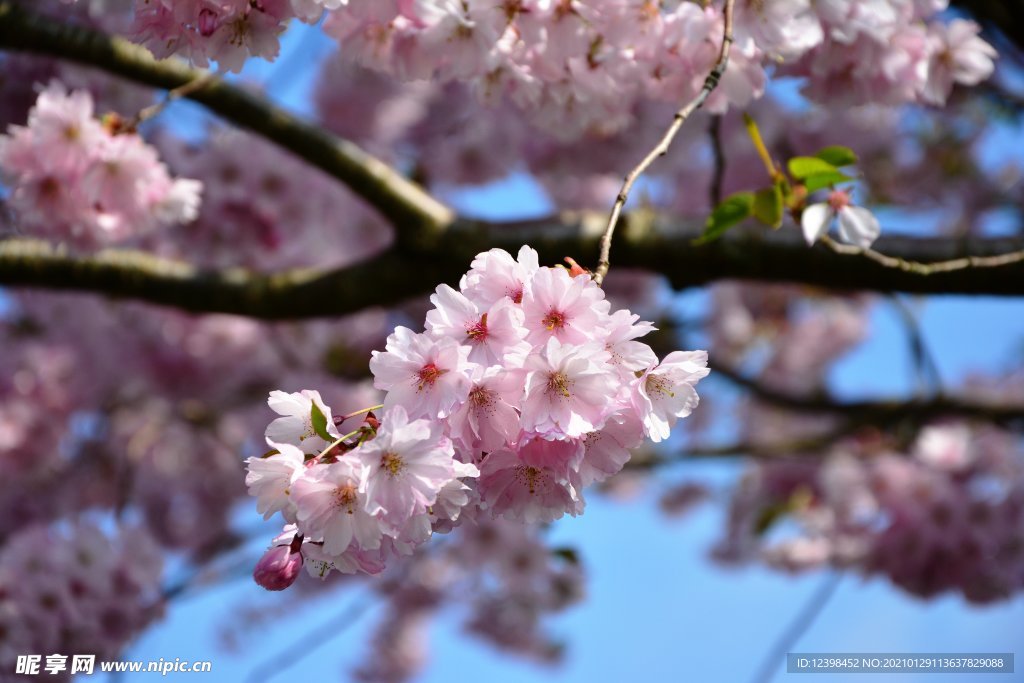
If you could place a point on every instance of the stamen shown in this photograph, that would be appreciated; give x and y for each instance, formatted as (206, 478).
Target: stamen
(530, 476)
(392, 463)
(559, 383)
(554, 320)
(428, 374)
(481, 397)
(477, 331)
(345, 497)
(656, 384)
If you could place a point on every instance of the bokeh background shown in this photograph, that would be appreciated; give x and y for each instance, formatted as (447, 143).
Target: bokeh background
(657, 607)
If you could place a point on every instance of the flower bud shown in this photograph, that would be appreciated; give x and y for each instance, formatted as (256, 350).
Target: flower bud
(278, 568)
(575, 269)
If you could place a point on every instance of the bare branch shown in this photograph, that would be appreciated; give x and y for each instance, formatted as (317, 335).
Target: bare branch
(659, 150)
(416, 215)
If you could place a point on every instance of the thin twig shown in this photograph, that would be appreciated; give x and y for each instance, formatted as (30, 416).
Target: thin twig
(173, 94)
(919, 268)
(718, 173)
(876, 412)
(924, 361)
(790, 448)
(659, 150)
(310, 641)
(800, 625)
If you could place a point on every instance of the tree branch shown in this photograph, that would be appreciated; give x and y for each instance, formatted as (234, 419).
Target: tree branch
(660, 149)
(875, 412)
(415, 214)
(645, 242)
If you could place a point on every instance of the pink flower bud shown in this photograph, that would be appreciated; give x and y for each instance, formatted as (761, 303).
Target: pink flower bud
(575, 269)
(278, 568)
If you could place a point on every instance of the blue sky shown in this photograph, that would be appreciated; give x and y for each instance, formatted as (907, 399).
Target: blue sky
(657, 608)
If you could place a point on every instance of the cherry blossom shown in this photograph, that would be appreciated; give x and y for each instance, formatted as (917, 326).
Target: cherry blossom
(425, 375)
(857, 225)
(295, 426)
(567, 389)
(270, 478)
(667, 392)
(562, 307)
(488, 413)
(331, 504)
(407, 464)
(73, 179)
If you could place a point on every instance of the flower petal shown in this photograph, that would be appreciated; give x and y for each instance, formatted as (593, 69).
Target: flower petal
(815, 221)
(858, 226)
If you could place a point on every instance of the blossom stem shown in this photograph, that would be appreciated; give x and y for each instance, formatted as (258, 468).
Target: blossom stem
(762, 150)
(362, 410)
(337, 442)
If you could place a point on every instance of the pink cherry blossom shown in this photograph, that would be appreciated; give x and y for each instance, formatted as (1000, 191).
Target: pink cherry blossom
(857, 225)
(607, 450)
(494, 275)
(515, 490)
(490, 333)
(567, 389)
(426, 375)
(270, 478)
(332, 505)
(488, 419)
(559, 306)
(960, 56)
(73, 179)
(627, 355)
(481, 419)
(407, 464)
(668, 391)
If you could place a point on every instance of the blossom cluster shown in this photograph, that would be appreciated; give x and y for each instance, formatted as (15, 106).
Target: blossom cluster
(940, 512)
(74, 178)
(503, 576)
(524, 389)
(947, 518)
(264, 208)
(76, 590)
(227, 31)
(585, 63)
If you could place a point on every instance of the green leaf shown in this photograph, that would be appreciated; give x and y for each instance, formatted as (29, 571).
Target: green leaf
(768, 516)
(803, 167)
(566, 553)
(319, 421)
(768, 206)
(731, 211)
(837, 155)
(819, 180)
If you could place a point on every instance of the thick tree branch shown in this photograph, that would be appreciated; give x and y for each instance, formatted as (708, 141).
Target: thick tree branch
(291, 294)
(415, 214)
(644, 243)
